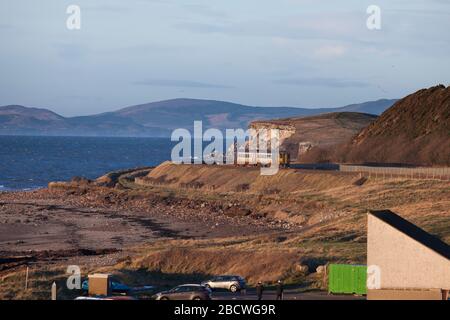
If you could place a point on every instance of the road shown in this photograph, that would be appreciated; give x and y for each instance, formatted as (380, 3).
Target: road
(288, 295)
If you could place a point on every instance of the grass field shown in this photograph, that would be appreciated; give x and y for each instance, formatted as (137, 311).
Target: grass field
(323, 215)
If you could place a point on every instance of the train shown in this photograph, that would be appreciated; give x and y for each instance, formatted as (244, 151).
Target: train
(245, 158)
(262, 158)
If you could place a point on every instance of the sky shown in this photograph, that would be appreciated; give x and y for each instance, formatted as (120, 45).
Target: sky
(301, 53)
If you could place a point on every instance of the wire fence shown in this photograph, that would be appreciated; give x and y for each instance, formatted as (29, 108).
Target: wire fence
(393, 172)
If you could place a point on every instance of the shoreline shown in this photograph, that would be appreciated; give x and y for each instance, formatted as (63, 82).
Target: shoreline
(189, 220)
(6, 189)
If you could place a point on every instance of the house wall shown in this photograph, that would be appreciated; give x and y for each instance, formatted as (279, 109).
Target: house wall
(404, 262)
(391, 294)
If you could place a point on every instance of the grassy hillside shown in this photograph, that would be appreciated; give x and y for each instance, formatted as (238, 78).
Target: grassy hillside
(415, 130)
(320, 200)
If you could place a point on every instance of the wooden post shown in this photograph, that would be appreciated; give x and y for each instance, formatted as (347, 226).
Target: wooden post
(54, 291)
(26, 280)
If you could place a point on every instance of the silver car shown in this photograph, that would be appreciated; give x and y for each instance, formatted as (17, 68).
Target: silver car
(185, 292)
(232, 283)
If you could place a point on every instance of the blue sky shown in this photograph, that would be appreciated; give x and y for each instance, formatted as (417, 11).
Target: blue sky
(304, 53)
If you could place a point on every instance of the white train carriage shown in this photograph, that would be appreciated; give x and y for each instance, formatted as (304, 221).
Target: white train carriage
(261, 158)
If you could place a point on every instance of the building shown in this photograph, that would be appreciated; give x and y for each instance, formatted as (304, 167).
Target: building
(404, 261)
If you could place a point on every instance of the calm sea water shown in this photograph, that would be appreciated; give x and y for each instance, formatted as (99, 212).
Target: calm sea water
(32, 162)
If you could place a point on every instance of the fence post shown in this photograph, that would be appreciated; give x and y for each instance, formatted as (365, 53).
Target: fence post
(26, 279)
(54, 291)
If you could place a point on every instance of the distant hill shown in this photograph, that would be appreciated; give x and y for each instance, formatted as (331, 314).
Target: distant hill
(22, 120)
(370, 107)
(314, 136)
(157, 119)
(415, 130)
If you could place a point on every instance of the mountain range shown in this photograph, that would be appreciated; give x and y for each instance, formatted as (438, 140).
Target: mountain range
(158, 119)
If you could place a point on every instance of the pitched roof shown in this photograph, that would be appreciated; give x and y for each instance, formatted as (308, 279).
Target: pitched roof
(413, 231)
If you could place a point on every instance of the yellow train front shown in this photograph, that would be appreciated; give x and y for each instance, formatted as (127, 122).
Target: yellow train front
(284, 159)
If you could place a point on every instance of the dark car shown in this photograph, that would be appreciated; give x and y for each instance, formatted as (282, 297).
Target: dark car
(185, 292)
(116, 287)
(116, 298)
(232, 283)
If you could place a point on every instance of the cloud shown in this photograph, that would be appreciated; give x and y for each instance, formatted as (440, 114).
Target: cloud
(180, 83)
(323, 82)
(107, 8)
(139, 49)
(204, 10)
(349, 28)
(331, 51)
(204, 27)
(199, 9)
(71, 51)
(4, 26)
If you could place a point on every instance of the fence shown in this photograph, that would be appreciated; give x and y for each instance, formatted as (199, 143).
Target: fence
(392, 172)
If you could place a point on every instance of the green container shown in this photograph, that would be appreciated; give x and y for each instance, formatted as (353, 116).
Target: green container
(346, 278)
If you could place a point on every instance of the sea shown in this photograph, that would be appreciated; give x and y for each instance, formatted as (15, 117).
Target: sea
(31, 162)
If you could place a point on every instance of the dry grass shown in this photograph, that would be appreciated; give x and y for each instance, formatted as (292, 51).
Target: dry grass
(306, 197)
(230, 178)
(330, 207)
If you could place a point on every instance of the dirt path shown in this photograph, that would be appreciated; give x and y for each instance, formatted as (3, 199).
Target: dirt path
(289, 294)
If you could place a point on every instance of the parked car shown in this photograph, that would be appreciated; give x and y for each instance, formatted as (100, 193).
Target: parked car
(232, 283)
(121, 289)
(185, 292)
(120, 298)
